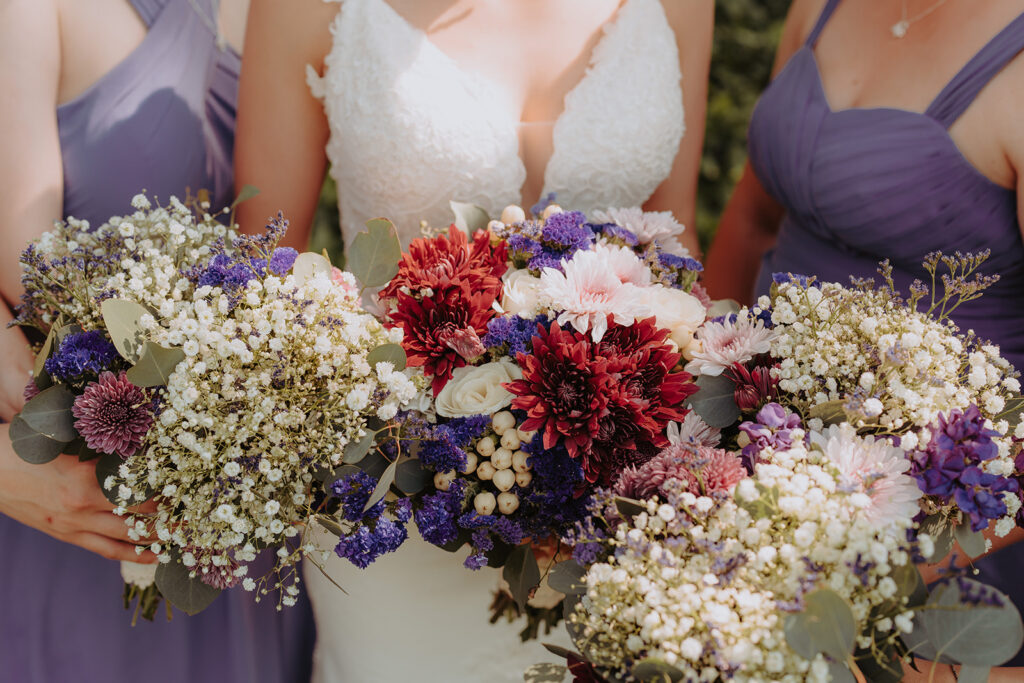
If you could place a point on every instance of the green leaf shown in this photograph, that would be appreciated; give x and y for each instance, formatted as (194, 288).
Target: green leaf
(766, 503)
(391, 353)
(469, 217)
(44, 352)
(567, 577)
(355, 451)
(374, 464)
(245, 194)
(941, 533)
(188, 594)
(1012, 412)
(628, 507)
(309, 265)
(49, 413)
(330, 523)
(973, 674)
(383, 484)
(374, 255)
(327, 476)
(107, 466)
(887, 668)
(839, 672)
(81, 449)
(971, 542)
(714, 401)
(654, 670)
(156, 365)
(522, 573)
(121, 318)
(829, 412)
(411, 477)
(30, 445)
(825, 625)
(723, 307)
(977, 635)
(545, 673)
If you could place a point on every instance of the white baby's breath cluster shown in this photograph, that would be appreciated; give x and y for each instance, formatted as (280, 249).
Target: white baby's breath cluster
(705, 585)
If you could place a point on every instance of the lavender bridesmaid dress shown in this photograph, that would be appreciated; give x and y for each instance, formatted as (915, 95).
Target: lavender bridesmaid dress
(163, 120)
(862, 185)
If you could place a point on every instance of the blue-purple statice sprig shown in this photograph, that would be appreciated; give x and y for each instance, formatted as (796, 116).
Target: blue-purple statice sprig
(81, 355)
(509, 335)
(443, 450)
(376, 531)
(671, 270)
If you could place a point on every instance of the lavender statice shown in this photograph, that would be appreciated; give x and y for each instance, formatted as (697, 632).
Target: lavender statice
(567, 232)
(773, 429)
(282, 260)
(81, 354)
(438, 513)
(616, 234)
(511, 335)
(443, 451)
(380, 529)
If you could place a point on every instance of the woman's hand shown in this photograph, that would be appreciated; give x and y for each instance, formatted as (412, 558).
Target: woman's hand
(63, 499)
(15, 367)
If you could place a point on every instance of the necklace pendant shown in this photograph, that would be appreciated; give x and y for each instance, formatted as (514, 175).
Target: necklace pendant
(899, 29)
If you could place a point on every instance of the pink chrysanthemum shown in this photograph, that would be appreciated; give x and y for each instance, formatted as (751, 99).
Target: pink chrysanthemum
(113, 415)
(624, 263)
(660, 227)
(726, 343)
(700, 469)
(31, 390)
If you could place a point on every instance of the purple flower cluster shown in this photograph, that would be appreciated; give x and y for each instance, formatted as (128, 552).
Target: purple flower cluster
(510, 335)
(486, 528)
(949, 468)
(354, 491)
(379, 530)
(773, 429)
(545, 246)
(550, 504)
(800, 280)
(282, 260)
(227, 273)
(617, 234)
(442, 452)
(80, 354)
(437, 517)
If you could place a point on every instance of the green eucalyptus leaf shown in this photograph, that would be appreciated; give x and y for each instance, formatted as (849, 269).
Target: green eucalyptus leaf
(330, 523)
(887, 668)
(309, 265)
(829, 412)
(374, 464)
(839, 672)
(941, 533)
(383, 484)
(81, 449)
(30, 445)
(245, 194)
(185, 592)
(723, 307)
(355, 451)
(122, 320)
(825, 625)
(329, 476)
(108, 466)
(155, 366)
(44, 352)
(522, 573)
(469, 217)
(567, 577)
(654, 670)
(64, 331)
(628, 507)
(978, 635)
(971, 542)
(545, 673)
(374, 255)
(390, 353)
(49, 413)
(765, 504)
(714, 401)
(411, 477)
(1012, 412)
(973, 674)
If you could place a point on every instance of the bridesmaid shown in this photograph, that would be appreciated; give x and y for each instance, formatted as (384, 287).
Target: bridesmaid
(892, 129)
(104, 99)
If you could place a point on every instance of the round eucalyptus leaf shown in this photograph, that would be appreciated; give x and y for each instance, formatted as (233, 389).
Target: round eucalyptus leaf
(941, 533)
(185, 592)
(723, 307)
(830, 412)
(973, 674)
(714, 401)
(411, 476)
(977, 635)
(107, 466)
(971, 542)
(567, 577)
(122, 320)
(383, 484)
(355, 451)
(374, 255)
(469, 217)
(391, 353)
(522, 573)
(49, 413)
(155, 365)
(31, 446)
(628, 507)
(825, 625)
(308, 265)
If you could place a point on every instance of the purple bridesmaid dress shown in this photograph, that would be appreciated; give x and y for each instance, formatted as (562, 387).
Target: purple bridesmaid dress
(862, 185)
(163, 120)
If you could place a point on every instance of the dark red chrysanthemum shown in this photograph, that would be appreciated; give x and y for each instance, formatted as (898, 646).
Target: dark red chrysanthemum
(113, 415)
(443, 332)
(754, 387)
(446, 261)
(609, 402)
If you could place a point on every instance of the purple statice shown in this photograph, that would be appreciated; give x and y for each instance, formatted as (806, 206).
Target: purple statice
(543, 203)
(437, 516)
(615, 233)
(773, 429)
(544, 260)
(550, 503)
(486, 529)
(523, 248)
(443, 450)
(566, 233)
(80, 354)
(949, 467)
(685, 263)
(282, 260)
(369, 541)
(511, 335)
(354, 491)
(803, 281)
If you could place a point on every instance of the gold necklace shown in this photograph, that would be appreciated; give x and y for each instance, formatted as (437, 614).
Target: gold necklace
(900, 28)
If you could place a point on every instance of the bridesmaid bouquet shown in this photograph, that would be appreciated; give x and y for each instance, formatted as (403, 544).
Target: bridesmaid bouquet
(210, 372)
(840, 436)
(552, 348)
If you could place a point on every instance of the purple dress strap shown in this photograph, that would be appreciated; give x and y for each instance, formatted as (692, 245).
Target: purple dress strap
(826, 13)
(956, 97)
(149, 10)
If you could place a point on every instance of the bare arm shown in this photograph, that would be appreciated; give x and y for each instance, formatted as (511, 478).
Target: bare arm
(693, 22)
(750, 222)
(282, 130)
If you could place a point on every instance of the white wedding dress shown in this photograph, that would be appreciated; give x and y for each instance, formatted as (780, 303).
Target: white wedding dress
(410, 130)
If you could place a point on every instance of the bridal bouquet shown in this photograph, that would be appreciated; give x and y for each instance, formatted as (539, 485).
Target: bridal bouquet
(210, 372)
(552, 348)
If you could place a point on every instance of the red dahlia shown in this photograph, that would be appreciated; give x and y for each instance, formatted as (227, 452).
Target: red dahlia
(449, 261)
(609, 402)
(443, 332)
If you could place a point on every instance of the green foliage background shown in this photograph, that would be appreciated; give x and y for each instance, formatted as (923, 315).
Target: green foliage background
(746, 33)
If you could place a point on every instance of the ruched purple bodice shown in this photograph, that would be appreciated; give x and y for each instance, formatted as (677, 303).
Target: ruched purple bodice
(863, 185)
(162, 120)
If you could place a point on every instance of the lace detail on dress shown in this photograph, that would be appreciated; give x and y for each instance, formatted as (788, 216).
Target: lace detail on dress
(411, 129)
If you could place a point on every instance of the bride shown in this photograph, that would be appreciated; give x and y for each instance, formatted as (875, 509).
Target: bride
(491, 102)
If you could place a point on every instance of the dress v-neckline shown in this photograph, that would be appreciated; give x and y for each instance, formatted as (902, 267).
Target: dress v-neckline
(516, 122)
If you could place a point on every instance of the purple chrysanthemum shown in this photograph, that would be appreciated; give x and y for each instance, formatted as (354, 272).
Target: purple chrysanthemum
(81, 354)
(113, 415)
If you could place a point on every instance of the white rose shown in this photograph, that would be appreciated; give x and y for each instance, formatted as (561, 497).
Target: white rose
(478, 390)
(521, 294)
(678, 311)
(138, 574)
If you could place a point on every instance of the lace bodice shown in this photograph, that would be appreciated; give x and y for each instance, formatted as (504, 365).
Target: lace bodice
(411, 129)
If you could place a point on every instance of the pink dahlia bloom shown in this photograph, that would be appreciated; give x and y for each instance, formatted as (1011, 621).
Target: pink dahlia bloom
(700, 469)
(726, 343)
(113, 415)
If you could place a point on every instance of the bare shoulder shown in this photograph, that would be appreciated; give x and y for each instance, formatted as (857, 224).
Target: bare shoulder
(800, 20)
(29, 45)
(1009, 99)
(299, 29)
(687, 17)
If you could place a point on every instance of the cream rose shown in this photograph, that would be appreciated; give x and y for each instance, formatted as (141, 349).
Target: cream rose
(477, 390)
(521, 294)
(678, 311)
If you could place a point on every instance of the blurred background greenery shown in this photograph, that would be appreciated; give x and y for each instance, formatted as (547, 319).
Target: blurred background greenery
(746, 33)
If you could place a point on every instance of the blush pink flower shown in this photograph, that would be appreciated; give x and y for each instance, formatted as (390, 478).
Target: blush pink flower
(649, 226)
(701, 470)
(723, 344)
(113, 415)
(624, 263)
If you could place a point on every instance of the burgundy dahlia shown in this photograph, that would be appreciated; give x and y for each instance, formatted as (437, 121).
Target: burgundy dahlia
(113, 415)
(754, 387)
(700, 469)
